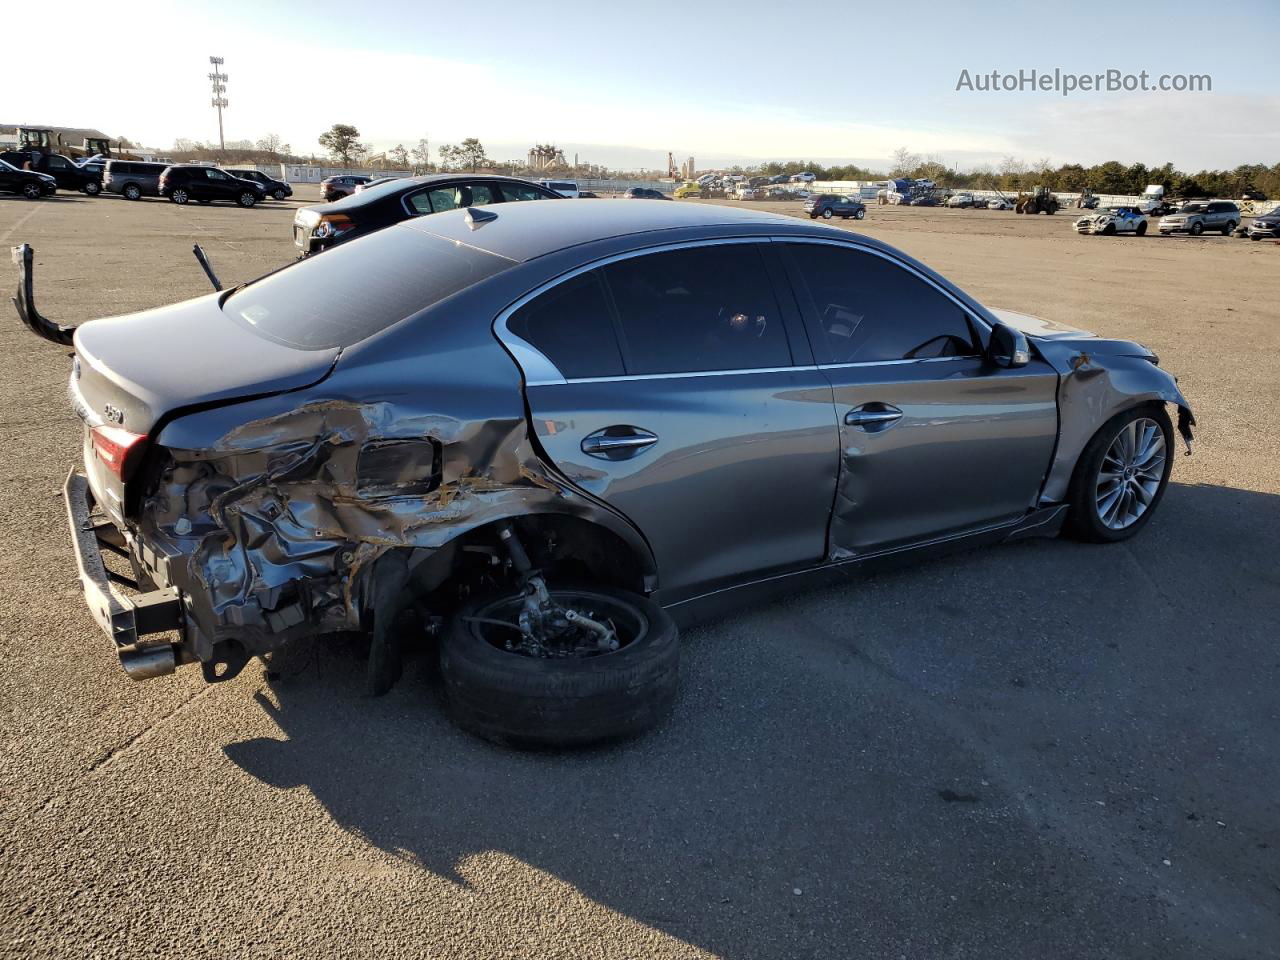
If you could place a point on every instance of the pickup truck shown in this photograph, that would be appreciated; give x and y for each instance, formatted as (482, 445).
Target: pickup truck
(68, 174)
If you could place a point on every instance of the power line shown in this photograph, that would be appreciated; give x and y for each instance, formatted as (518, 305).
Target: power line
(219, 80)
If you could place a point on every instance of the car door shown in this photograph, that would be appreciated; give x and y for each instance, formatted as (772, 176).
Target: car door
(935, 440)
(675, 386)
(221, 186)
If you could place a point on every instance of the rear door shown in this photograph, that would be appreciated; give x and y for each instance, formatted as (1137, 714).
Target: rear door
(935, 440)
(679, 388)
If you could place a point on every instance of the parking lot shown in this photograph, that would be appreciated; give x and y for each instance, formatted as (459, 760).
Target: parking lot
(1045, 749)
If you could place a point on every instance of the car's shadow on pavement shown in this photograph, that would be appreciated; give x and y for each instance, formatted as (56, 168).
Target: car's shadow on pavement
(1044, 749)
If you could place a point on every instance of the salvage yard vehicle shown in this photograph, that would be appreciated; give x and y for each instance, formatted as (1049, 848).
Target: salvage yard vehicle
(317, 228)
(26, 183)
(274, 188)
(1000, 203)
(1198, 216)
(644, 193)
(1039, 200)
(69, 175)
(1110, 221)
(132, 179)
(182, 183)
(744, 191)
(344, 185)
(960, 200)
(687, 191)
(543, 433)
(828, 205)
(1267, 225)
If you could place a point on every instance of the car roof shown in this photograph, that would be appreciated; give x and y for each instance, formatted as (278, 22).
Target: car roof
(524, 231)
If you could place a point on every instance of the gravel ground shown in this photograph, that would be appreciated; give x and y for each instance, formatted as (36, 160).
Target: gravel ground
(1039, 750)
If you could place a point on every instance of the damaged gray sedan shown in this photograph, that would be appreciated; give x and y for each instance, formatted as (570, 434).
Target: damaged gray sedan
(541, 436)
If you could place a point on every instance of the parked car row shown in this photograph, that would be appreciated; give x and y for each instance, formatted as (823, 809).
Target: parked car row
(1193, 217)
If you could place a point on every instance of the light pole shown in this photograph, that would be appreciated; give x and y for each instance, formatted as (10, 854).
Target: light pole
(219, 80)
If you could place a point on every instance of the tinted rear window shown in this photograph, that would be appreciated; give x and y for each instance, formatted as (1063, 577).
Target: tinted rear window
(355, 290)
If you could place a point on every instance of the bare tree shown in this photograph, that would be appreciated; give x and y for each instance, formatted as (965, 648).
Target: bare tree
(904, 161)
(273, 144)
(399, 155)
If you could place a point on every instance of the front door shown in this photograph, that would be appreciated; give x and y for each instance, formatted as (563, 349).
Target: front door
(935, 440)
(683, 396)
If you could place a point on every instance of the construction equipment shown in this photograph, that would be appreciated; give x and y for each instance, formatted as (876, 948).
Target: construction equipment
(1040, 200)
(1086, 200)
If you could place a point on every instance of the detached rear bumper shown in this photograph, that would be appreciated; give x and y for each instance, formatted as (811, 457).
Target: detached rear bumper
(126, 620)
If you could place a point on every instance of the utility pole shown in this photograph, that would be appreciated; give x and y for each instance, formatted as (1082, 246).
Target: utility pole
(219, 80)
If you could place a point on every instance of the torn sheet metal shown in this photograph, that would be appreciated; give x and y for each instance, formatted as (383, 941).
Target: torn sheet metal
(270, 530)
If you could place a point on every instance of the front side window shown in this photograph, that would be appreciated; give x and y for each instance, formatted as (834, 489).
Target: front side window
(215, 174)
(870, 309)
(701, 308)
(572, 324)
(60, 163)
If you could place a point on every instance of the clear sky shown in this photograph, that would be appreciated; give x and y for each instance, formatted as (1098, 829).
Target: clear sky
(727, 83)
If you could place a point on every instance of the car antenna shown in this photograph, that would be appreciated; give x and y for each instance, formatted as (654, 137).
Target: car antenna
(476, 218)
(208, 270)
(25, 302)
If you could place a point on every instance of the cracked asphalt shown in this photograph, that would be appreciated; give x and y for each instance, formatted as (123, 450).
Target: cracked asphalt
(1044, 749)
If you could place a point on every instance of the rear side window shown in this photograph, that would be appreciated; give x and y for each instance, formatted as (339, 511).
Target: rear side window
(521, 191)
(573, 325)
(451, 198)
(358, 288)
(870, 309)
(702, 308)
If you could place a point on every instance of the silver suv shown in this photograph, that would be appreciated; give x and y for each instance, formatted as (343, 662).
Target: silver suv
(1201, 215)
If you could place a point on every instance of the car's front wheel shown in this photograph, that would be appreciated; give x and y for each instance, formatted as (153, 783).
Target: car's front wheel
(246, 199)
(1121, 475)
(572, 690)
(1197, 228)
(278, 194)
(32, 191)
(1142, 229)
(1229, 228)
(860, 214)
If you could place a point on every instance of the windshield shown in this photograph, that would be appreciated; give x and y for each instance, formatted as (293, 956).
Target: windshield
(6, 165)
(357, 289)
(1195, 208)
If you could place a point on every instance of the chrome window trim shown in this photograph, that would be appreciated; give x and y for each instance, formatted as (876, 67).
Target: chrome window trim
(539, 371)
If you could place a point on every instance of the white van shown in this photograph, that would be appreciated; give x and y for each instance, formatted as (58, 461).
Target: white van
(566, 188)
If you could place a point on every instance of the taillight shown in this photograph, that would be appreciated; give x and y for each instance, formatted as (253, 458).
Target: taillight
(118, 449)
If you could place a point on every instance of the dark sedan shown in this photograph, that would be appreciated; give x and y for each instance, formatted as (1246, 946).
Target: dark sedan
(320, 227)
(535, 437)
(276, 189)
(644, 193)
(27, 183)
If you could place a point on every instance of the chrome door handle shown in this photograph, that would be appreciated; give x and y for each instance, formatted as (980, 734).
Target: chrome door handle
(622, 442)
(873, 416)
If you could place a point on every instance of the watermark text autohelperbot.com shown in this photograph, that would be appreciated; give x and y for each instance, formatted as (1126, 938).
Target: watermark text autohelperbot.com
(1065, 83)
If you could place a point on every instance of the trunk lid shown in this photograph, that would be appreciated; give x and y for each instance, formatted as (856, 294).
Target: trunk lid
(131, 371)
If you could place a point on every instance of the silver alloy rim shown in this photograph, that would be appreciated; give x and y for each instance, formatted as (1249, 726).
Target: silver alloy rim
(180, 196)
(1131, 473)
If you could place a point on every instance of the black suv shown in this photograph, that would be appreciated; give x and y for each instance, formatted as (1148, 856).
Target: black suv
(68, 174)
(274, 188)
(206, 184)
(319, 227)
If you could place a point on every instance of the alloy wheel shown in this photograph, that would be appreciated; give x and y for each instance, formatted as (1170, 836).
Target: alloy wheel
(1131, 473)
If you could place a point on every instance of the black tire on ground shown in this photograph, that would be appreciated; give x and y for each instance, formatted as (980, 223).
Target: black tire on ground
(860, 214)
(132, 191)
(246, 199)
(1109, 230)
(1229, 228)
(1254, 236)
(179, 196)
(827, 214)
(279, 195)
(1197, 228)
(1083, 522)
(536, 703)
(93, 188)
(32, 191)
(1142, 229)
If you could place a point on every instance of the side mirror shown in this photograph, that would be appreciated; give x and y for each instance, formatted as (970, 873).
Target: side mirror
(1008, 347)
